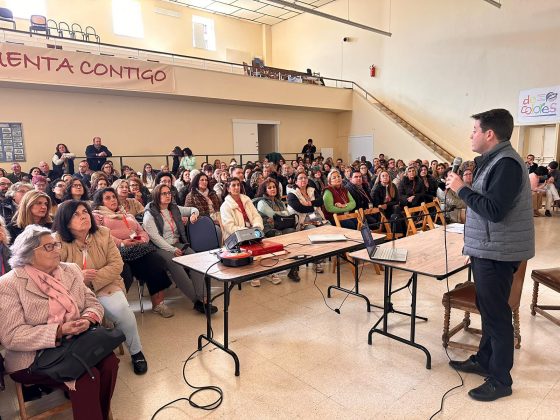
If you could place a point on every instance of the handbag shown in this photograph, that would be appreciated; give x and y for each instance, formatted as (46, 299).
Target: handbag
(77, 354)
(284, 222)
(134, 252)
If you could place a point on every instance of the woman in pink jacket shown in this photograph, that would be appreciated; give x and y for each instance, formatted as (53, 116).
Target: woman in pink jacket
(42, 300)
(147, 267)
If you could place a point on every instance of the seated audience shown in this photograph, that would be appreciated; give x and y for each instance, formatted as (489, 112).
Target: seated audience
(337, 200)
(222, 180)
(138, 191)
(5, 253)
(203, 198)
(385, 196)
(411, 188)
(98, 182)
(269, 205)
(92, 248)
(34, 209)
(84, 173)
(147, 266)
(76, 190)
(9, 205)
(56, 193)
(149, 176)
(63, 161)
(163, 221)
(109, 172)
(130, 205)
(238, 212)
(430, 184)
(39, 183)
(5, 185)
(17, 175)
(42, 300)
(552, 188)
(166, 178)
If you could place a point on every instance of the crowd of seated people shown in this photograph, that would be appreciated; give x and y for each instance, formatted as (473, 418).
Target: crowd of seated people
(115, 227)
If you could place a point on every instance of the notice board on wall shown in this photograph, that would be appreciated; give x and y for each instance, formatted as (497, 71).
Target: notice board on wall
(11, 142)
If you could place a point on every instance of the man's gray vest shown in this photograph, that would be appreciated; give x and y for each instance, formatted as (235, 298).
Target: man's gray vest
(512, 238)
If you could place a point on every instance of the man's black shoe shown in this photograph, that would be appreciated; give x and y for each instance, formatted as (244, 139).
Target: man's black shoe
(469, 366)
(490, 390)
(547, 213)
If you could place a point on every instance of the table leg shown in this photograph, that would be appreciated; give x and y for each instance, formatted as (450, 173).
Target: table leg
(209, 335)
(356, 291)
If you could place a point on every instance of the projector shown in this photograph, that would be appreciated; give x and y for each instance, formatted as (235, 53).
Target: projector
(243, 236)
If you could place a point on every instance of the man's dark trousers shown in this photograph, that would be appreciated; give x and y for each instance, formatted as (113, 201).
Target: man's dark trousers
(493, 280)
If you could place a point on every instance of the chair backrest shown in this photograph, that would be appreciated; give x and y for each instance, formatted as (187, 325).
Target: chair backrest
(439, 218)
(63, 26)
(517, 286)
(350, 216)
(90, 30)
(76, 27)
(38, 20)
(52, 24)
(372, 212)
(202, 235)
(6, 13)
(417, 215)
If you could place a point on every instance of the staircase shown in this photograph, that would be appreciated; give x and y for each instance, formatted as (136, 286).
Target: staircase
(420, 136)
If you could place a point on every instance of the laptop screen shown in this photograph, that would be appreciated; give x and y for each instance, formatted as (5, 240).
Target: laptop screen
(368, 240)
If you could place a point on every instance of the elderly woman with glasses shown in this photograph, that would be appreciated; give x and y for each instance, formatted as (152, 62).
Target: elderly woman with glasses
(34, 209)
(130, 205)
(92, 248)
(42, 300)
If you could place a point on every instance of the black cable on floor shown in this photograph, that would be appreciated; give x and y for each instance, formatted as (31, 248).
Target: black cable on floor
(446, 352)
(207, 407)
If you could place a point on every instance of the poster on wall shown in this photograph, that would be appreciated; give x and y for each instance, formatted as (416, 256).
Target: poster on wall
(539, 106)
(11, 142)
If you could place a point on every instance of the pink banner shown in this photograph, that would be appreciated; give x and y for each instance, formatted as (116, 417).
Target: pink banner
(59, 67)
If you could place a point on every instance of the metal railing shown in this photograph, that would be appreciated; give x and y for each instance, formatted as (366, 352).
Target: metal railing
(137, 161)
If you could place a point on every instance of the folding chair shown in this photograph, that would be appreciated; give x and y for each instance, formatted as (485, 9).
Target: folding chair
(350, 216)
(417, 217)
(439, 214)
(6, 15)
(38, 24)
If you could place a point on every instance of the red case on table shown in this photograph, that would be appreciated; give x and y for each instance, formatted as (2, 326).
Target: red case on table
(264, 247)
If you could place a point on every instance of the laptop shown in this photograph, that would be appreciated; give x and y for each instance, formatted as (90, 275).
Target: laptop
(378, 253)
(333, 237)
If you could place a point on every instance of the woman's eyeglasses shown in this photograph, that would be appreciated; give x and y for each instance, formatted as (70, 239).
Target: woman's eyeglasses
(50, 247)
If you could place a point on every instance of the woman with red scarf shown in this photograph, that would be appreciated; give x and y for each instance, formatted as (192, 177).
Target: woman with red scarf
(337, 199)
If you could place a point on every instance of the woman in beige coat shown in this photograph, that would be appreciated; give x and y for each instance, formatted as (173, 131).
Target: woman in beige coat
(42, 300)
(95, 252)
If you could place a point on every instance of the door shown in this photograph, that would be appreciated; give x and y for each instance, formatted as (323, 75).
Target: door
(245, 140)
(360, 146)
(541, 142)
(267, 139)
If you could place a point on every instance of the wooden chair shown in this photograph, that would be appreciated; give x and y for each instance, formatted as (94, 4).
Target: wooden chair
(551, 278)
(350, 216)
(384, 223)
(463, 298)
(439, 219)
(417, 217)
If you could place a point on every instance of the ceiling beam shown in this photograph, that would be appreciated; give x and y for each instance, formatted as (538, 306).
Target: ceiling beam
(330, 17)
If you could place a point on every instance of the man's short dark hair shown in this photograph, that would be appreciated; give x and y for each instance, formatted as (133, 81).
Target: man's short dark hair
(162, 174)
(309, 140)
(553, 165)
(498, 120)
(64, 214)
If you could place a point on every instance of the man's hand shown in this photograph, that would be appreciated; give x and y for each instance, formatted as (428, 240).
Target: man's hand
(454, 182)
(178, 252)
(409, 199)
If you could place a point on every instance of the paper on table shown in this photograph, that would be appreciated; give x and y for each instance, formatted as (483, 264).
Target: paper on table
(456, 228)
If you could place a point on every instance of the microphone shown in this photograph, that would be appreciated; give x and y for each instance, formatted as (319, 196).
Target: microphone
(456, 164)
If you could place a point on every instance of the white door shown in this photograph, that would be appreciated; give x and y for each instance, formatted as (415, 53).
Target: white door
(360, 146)
(246, 139)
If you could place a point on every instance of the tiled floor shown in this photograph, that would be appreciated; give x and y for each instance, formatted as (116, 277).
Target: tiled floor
(301, 360)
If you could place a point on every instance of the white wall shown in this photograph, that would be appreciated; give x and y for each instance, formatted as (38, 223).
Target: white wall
(445, 61)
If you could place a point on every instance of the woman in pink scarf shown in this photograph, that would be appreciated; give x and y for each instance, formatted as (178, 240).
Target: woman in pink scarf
(42, 300)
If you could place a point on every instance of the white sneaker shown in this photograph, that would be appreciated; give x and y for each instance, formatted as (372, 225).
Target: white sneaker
(163, 310)
(256, 283)
(274, 279)
(319, 268)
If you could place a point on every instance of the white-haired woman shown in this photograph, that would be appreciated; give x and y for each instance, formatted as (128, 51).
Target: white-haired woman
(42, 300)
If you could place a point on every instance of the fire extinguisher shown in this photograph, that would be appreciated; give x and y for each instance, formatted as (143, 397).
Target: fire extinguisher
(372, 70)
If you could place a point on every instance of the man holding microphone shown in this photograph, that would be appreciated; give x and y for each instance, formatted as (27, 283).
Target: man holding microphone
(499, 234)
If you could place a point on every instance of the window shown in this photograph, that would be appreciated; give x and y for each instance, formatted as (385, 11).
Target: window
(203, 33)
(127, 18)
(25, 8)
